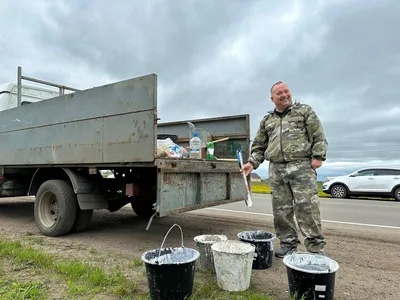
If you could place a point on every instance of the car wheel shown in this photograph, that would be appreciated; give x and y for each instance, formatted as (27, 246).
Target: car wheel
(338, 191)
(397, 194)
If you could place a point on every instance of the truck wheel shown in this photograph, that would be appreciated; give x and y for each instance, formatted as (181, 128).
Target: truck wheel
(83, 218)
(55, 208)
(143, 207)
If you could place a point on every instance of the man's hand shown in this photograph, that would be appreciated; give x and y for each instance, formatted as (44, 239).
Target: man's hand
(247, 168)
(316, 163)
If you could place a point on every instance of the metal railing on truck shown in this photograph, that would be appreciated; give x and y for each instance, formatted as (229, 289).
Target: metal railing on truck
(20, 77)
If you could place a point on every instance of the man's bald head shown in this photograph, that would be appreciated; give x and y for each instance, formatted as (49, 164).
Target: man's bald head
(280, 95)
(275, 84)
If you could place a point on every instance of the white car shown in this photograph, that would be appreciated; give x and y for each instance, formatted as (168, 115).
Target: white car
(379, 182)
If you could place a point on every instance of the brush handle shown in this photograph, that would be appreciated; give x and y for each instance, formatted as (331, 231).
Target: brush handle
(249, 201)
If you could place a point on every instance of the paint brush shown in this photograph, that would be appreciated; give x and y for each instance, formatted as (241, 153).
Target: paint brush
(249, 201)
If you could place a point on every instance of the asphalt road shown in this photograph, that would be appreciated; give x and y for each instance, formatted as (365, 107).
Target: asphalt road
(356, 212)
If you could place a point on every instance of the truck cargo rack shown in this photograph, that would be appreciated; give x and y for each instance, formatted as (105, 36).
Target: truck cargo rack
(21, 77)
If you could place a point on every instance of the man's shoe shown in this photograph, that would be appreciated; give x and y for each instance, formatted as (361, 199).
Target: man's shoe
(285, 250)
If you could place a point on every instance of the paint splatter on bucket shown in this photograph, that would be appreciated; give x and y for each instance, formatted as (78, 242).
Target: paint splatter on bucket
(233, 264)
(204, 242)
(264, 243)
(311, 276)
(170, 271)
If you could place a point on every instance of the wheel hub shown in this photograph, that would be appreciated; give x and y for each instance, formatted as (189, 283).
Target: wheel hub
(49, 209)
(338, 191)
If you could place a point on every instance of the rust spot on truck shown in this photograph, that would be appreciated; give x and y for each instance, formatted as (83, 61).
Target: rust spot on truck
(36, 149)
(143, 136)
(129, 141)
(59, 146)
(40, 148)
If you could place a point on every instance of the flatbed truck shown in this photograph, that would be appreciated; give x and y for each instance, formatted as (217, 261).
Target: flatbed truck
(60, 147)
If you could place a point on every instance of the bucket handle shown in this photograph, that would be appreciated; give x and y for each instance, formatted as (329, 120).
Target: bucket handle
(162, 244)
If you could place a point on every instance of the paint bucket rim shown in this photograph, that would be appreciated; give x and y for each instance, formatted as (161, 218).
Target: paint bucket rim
(198, 239)
(239, 235)
(334, 266)
(247, 248)
(196, 255)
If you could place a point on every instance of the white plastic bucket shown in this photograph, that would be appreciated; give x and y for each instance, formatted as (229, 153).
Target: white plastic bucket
(204, 242)
(233, 262)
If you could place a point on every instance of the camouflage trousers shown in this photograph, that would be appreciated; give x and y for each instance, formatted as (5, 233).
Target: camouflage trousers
(295, 196)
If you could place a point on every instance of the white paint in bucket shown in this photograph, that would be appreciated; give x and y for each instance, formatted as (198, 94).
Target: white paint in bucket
(210, 238)
(310, 263)
(170, 256)
(233, 262)
(204, 242)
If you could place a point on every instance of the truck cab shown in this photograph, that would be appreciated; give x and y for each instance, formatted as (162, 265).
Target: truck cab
(29, 94)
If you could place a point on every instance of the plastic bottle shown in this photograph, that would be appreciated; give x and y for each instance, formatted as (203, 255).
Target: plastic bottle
(194, 146)
(210, 150)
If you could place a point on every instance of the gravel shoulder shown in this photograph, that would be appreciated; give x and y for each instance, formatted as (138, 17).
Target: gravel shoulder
(369, 258)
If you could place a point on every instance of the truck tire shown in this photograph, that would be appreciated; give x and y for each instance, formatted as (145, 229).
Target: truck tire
(143, 207)
(82, 221)
(55, 208)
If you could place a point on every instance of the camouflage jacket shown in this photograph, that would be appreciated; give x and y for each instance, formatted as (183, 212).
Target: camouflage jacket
(297, 135)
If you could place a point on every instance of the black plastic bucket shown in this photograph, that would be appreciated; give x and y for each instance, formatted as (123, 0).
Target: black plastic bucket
(310, 276)
(264, 243)
(170, 271)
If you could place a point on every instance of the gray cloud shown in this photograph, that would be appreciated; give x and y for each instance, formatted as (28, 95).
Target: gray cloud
(351, 78)
(216, 58)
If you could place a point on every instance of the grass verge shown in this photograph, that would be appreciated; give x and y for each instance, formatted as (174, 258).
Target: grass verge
(13, 289)
(78, 278)
(264, 188)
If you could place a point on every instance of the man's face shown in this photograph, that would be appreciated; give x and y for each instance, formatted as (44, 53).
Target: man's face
(281, 96)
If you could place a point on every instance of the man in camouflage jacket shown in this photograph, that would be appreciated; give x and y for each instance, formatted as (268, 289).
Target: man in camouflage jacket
(292, 138)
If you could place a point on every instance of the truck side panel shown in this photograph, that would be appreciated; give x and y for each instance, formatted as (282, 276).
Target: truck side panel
(189, 185)
(107, 124)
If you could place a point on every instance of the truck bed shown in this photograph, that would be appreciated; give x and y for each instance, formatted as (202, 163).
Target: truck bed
(111, 125)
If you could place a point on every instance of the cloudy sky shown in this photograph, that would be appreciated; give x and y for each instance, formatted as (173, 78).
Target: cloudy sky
(221, 56)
